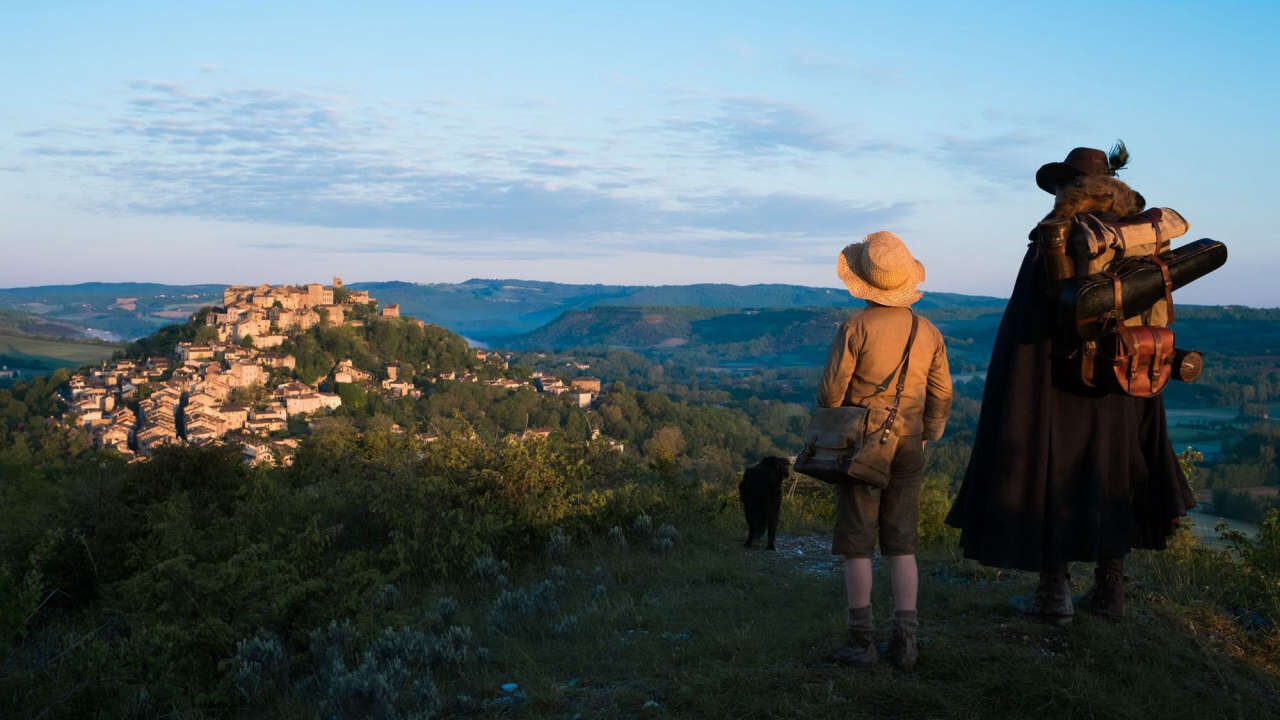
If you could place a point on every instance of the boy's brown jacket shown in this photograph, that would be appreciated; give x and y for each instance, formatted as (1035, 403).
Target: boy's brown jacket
(865, 354)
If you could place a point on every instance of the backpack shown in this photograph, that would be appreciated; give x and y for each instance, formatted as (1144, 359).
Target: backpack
(1124, 347)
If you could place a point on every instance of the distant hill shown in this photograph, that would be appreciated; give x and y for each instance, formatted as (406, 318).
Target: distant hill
(35, 345)
(769, 336)
(112, 311)
(735, 321)
(1242, 345)
(15, 322)
(496, 309)
(483, 309)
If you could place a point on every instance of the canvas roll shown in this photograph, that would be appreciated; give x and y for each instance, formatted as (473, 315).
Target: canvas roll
(1089, 304)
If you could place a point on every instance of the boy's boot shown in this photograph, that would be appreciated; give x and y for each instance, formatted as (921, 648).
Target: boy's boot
(860, 650)
(903, 651)
(1052, 599)
(1106, 597)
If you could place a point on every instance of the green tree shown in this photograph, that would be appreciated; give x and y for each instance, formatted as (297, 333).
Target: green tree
(353, 396)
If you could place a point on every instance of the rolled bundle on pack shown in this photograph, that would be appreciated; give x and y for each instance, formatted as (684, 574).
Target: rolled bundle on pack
(1089, 305)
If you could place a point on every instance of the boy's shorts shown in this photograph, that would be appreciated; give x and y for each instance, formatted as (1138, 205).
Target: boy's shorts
(863, 512)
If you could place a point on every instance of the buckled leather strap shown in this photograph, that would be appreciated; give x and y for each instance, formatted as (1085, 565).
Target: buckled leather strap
(1168, 284)
(1154, 370)
(1118, 289)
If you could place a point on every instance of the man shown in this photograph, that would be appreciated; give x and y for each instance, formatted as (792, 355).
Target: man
(861, 369)
(1061, 472)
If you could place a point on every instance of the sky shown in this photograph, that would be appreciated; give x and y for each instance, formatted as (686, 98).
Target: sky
(636, 143)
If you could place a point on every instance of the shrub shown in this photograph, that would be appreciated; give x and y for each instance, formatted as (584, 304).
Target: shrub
(489, 569)
(1259, 560)
(665, 539)
(558, 546)
(559, 575)
(669, 532)
(617, 537)
(261, 666)
(454, 647)
(565, 625)
(388, 597)
(935, 503)
(642, 525)
(446, 609)
(392, 679)
(19, 602)
(515, 610)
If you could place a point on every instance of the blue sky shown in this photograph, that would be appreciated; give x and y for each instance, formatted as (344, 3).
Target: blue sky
(641, 143)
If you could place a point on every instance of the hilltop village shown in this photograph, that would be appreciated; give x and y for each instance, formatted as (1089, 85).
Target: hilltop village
(234, 383)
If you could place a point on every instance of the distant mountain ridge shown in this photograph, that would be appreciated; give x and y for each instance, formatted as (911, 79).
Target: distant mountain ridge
(523, 313)
(483, 309)
(493, 309)
(798, 336)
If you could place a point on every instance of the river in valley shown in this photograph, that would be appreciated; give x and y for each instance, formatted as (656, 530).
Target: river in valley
(1206, 522)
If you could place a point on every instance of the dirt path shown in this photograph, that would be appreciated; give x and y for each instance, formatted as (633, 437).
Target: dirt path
(809, 553)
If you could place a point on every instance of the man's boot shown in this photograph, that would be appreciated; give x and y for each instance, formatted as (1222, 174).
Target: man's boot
(1106, 597)
(860, 650)
(903, 651)
(1052, 599)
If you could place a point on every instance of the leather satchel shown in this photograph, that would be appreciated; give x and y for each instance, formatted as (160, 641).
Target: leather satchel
(853, 443)
(835, 435)
(1140, 356)
(1141, 359)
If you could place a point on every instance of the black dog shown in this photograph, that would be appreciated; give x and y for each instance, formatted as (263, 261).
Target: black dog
(761, 495)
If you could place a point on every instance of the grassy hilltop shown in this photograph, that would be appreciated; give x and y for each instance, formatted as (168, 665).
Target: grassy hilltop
(421, 554)
(382, 578)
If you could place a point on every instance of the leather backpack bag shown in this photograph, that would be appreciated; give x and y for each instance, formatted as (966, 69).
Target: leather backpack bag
(1140, 357)
(854, 443)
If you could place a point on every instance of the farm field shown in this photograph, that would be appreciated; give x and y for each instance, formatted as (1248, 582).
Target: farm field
(42, 354)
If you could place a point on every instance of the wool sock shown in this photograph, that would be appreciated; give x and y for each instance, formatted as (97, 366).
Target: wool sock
(907, 620)
(860, 619)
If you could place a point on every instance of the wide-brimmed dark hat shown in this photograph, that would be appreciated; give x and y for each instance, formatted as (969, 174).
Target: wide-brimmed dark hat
(1080, 161)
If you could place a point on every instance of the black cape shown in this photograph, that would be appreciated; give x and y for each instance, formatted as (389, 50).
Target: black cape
(1060, 473)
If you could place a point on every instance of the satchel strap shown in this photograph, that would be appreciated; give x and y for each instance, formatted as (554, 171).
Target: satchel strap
(904, 364)
(1168, 284)
(1118, 289)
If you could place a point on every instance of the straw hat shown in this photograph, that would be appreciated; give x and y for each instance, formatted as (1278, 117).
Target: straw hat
(881, 269)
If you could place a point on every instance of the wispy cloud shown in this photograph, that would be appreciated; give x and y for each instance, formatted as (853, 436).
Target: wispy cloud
(753, 125)
(284, 156)
(1002, 159)
(48, 151)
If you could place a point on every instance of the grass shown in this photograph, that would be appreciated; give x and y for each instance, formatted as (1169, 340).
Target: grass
(709, 630)
(63, 352)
